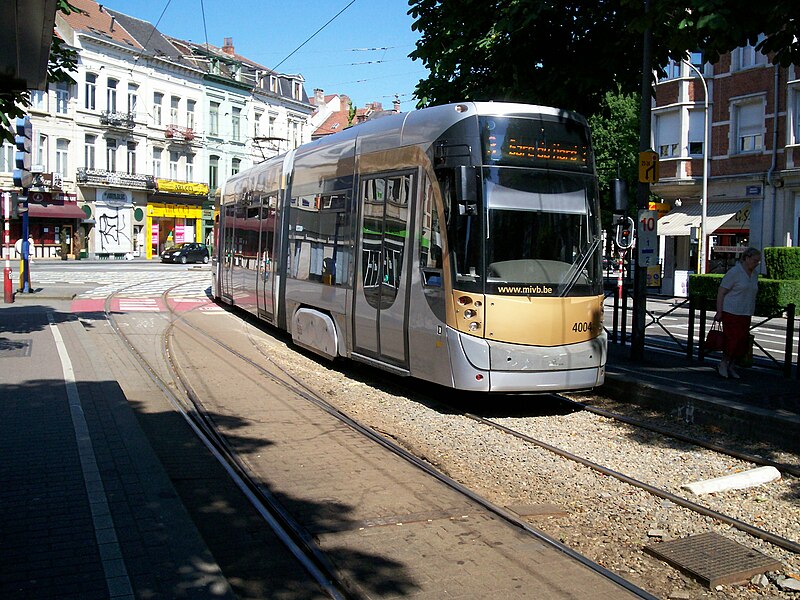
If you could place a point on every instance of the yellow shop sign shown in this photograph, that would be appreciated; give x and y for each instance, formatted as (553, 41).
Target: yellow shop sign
(181, 187)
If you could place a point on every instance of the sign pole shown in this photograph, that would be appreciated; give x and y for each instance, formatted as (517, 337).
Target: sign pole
(24, 272)
(8, 291)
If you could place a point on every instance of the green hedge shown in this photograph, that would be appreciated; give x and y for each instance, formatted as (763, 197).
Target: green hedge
(773, 294)
(782, 262)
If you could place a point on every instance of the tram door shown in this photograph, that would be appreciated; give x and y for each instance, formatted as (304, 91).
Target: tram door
(266, 301)
(227, 250)
(382, 282)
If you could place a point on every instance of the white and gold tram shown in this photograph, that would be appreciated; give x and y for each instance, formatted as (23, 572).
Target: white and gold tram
(458, 244)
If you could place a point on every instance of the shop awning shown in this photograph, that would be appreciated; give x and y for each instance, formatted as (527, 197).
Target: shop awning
(681, 219)
(55, 211)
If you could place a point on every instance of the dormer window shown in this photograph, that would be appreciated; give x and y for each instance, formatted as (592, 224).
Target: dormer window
(273, 84)
(297, 90)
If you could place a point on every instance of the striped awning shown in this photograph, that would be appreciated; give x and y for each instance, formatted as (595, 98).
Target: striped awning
(681, 219)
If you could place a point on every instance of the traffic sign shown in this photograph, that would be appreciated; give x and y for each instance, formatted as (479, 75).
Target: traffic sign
(648, 167)
(647, 238)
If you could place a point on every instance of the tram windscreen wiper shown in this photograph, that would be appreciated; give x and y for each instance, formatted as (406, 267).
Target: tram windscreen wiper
(578, 265)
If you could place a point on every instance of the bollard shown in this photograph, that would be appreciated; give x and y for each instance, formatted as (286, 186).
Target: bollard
(8, 288)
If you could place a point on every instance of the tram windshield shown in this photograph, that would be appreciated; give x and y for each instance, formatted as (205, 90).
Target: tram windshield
(542, 233)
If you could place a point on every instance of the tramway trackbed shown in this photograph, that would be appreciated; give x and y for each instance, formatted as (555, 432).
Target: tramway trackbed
(387, 522)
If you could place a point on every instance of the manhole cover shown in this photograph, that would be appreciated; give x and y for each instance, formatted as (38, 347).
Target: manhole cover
(11, 348)
(713, 559)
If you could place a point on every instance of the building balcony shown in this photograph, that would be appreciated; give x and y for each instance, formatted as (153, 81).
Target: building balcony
(178, 133)
(122, 120)
(101, 177)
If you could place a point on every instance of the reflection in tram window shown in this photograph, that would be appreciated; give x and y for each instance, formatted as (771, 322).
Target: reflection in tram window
(384, 233)
(318, 234)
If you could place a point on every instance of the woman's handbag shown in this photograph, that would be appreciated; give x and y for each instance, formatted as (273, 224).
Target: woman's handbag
(715, 340)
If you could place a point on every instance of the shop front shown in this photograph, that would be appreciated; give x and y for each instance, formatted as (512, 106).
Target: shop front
(55, 226)
(727, 228)
(174, 215)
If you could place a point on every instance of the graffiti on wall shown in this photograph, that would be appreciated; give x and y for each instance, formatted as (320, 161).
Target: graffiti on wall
(114, 229)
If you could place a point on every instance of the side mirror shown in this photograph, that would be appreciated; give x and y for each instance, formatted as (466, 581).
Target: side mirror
(466, 190)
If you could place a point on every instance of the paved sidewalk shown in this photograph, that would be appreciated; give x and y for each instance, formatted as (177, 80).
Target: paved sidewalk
(86, 510)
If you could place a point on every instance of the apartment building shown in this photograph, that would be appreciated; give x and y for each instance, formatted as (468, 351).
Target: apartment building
(132, 156)
(753, 159)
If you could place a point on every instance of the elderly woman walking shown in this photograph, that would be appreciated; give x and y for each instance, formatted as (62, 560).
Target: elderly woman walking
(736, 303)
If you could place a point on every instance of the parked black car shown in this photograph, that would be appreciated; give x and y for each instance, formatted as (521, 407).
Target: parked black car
(186, 252)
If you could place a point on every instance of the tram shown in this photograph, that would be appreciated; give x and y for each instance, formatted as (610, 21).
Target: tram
(458, 244)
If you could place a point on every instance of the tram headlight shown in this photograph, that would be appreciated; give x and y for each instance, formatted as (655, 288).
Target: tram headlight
(474, 326)
(470, 313)
(464, 300)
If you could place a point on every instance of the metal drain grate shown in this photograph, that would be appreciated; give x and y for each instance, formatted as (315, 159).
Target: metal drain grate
(14, 348)
(713, 559)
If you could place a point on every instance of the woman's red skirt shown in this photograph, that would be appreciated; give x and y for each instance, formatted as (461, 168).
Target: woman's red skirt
(737, 331)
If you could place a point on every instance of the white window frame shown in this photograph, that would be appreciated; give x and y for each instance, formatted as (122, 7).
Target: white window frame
(236, 124)
(131, 158)
(174, 159)
(133, 98)
(7, 158)
(748, 138)
(157, 153)
(190, 167)
(213, 118)
(62, 156)
(111, 94)
(62, 97)
(748, 58)
(111, 155)
(158, 104)
(89, 150)
(190, 105)
(90, 90)
(174, 109)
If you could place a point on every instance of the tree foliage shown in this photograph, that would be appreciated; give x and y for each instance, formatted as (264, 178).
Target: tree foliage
(568, 54)
(615, 138)
(63, 61)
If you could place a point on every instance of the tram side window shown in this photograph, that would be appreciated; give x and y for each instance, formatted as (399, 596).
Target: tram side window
(383, 236)
(431, 253)
(318, 238)
(250, 230)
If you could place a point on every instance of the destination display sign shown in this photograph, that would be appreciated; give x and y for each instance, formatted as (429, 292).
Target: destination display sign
(517, 142)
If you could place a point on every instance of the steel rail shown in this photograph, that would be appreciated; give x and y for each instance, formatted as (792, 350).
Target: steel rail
(776, 540)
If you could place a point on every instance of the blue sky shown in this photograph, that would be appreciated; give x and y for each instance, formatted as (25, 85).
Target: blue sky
(363, 53)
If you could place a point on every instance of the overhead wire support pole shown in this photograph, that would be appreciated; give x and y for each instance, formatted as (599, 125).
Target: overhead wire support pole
(642, 196)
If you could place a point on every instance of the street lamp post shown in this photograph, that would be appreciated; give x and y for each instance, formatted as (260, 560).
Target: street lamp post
(704, 200)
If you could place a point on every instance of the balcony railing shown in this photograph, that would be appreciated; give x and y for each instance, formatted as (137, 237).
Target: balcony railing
(112, 178)
(178, 133)
(123, 120)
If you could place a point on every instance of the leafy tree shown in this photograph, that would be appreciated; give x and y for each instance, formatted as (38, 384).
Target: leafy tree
(63, 60)
(615, 138)
(570, 54)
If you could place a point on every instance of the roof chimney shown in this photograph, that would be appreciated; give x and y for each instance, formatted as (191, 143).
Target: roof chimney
(227, 47)
(319, 97)
(113, 20)
(396, 104)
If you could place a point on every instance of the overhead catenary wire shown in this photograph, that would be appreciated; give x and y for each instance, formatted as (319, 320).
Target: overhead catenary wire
(313, 35)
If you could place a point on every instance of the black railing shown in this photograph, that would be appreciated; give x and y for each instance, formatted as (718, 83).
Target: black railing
(124, 120)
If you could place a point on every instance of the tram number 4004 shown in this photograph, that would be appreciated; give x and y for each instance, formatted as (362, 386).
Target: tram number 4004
(582, 326)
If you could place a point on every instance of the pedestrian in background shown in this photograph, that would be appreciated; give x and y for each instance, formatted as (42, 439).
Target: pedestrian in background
(736, 303)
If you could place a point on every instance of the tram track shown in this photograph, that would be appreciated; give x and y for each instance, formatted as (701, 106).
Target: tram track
(297, 386)
(753, 531)
(190, 408)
